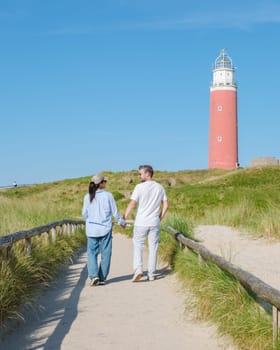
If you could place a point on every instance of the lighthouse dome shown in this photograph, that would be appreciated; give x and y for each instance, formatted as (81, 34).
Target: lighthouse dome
(223, 61)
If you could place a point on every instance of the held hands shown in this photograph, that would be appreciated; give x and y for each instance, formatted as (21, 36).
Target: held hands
(127, 222)
(123, 225)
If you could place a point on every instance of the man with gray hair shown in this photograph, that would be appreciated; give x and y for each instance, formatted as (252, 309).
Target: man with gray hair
(152, 205)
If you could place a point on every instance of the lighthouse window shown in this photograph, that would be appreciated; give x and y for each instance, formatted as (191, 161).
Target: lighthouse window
(219, 139)
(220, 108)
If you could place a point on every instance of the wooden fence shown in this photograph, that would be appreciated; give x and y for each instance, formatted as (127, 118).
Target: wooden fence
(50, 232)
(262, 290)
(250, 282)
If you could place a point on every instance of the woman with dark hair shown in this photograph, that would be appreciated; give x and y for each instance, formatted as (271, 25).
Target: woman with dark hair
(98, 208)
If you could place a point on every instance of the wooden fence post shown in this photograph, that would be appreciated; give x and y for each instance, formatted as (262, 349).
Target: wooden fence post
(59, 229)
(275, 324)
(64, 228)
(53, 234)
(180, 245)
(46, 237)
(28, 245)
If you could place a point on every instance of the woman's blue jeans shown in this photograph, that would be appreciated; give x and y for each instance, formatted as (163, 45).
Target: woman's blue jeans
(102, 245)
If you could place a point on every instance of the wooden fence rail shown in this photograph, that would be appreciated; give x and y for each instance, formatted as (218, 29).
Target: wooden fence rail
(51, 230)
(250, 282)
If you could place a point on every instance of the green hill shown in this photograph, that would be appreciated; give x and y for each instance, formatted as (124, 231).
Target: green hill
(245, 198)
(242, 198)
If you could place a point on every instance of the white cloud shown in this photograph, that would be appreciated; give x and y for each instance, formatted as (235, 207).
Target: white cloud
(217, 19)
(242, 17)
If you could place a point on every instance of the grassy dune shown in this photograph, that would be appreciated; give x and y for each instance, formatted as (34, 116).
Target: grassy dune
(241, 198)
(247, 199)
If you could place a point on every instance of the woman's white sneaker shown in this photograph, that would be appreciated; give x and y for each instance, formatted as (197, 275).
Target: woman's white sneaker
(94, 281)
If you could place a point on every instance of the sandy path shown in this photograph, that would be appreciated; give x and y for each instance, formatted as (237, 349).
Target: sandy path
(261, 257)
(121, 315)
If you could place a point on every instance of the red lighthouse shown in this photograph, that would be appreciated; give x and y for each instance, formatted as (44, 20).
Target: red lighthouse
(223, 138)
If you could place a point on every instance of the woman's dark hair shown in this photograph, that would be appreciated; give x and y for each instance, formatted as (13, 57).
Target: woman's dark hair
(92, 190)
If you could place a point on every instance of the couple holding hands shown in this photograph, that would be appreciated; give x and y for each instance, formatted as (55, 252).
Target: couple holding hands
(98, 209)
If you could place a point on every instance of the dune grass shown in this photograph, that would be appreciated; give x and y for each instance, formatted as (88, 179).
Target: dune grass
(219, 298)
(247, 199)
(23, 275)
(216, 296)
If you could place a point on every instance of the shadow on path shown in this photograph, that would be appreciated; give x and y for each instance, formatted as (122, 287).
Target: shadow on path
(161, 273)
(56, 308)
(120, 316)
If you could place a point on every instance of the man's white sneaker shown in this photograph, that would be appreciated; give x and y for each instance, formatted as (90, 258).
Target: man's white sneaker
(151, 277)
(137, 276)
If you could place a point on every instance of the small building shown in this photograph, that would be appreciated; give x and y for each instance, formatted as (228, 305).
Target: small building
(264, 161)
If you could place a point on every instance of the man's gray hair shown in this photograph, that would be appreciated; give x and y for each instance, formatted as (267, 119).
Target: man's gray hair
(147, 169)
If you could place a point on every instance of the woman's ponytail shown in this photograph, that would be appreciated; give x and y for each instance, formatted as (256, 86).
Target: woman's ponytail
(92, 190)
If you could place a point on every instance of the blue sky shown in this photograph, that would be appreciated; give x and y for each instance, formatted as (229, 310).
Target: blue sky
(90, 86)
